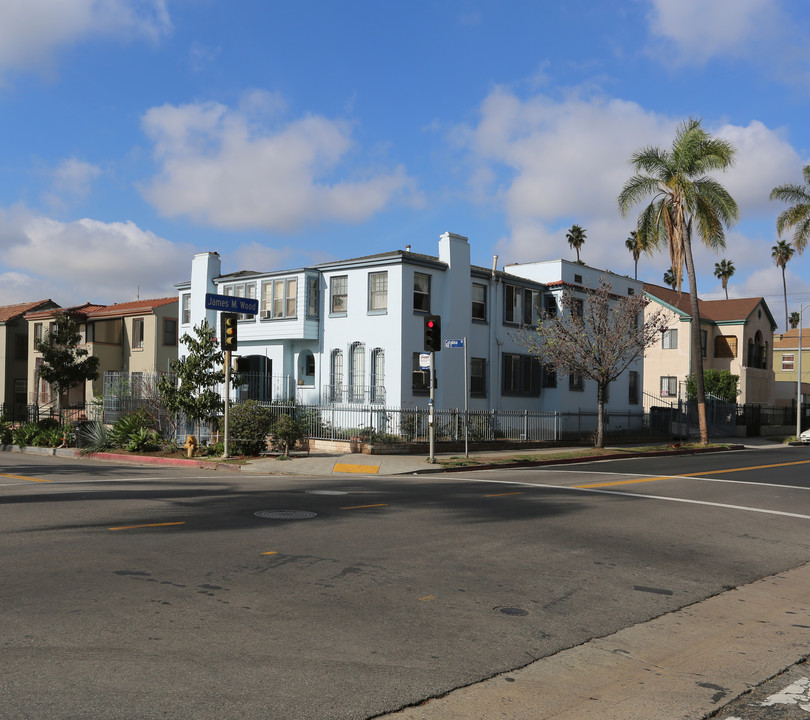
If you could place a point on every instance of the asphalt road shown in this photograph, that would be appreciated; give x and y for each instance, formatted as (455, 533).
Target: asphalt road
(135, 592)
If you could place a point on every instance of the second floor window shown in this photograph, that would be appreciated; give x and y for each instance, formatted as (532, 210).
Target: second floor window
(421, 292)
(339, 295)
(185, 300)
(520, 305)
(137, 333)
(787, 361)
(37, 334)
(169, 331)
(280, 298)
(633, 387)
(378, 291)
(521, 375)
(313, 296)
(244, 290)
(479, 302)
(669, 339)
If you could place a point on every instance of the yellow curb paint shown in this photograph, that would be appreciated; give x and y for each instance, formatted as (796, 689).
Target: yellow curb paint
(131, 527)
(694, 474)
(500, 494)
(359, 507)
(428, 597)
(349, 468)
(22, 477)
(271, 552)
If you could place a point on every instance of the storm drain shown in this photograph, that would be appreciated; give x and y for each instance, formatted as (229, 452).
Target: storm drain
(285, 514)
(512, 611)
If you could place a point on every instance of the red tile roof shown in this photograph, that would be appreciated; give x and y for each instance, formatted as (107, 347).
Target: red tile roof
(10, 312)
(94, 310)
(790, 339)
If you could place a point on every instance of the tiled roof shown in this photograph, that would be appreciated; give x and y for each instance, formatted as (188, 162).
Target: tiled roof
(134, 307)
(718, 311)
(790, 339)
(9, 312)
(75, 310)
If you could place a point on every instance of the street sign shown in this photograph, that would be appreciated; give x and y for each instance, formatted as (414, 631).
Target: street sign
(424, 361)
(231, 303)
(459, 343)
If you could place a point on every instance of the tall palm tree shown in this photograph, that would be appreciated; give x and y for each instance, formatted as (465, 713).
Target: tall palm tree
(794, 320)
(684, 199)
(724, 270)
(669, 279)
(576, 237)
(638, 244)
(781, 254)
(797, 216)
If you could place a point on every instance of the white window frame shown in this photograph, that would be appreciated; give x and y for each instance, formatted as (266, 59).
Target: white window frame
(280, 298)
(378, 292)
(138, 333)
(671, 389)
(479, 302)
(185, 301)
(788, 362)
(421, 295)
(339, 295)
(243, 290)
(669, 339)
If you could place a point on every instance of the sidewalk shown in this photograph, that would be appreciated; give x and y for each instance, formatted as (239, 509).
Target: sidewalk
(325, 464)
(684, 665)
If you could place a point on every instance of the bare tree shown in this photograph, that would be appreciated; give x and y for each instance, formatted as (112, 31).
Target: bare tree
(597, 337)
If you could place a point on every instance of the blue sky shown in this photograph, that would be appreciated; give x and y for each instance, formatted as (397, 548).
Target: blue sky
(138, 132)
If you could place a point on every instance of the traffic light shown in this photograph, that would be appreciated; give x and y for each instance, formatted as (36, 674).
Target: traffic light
(433, 333)
(228, 331)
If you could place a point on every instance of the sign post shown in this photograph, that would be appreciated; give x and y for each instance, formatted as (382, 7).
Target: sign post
(462, 343)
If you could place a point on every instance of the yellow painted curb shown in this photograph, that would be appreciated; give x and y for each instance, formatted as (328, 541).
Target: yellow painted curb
(348, 468)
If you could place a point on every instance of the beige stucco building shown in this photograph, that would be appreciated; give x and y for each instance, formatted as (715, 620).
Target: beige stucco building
(133, 337)
(736, 335)
(786, 366)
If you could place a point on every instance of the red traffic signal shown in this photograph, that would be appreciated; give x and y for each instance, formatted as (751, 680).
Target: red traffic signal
(433, 333)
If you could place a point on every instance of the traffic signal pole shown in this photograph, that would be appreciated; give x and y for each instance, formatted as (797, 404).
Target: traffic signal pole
(431, 408)
(226, 430)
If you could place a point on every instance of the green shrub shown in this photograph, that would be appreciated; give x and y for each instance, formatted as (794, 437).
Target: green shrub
(25, 435)
(92, 437)
(126, 426)
(6, 437)
(143, 440)
(249, 424)
(48, 423)
(287, 432)
(54, 437)
(213, 450)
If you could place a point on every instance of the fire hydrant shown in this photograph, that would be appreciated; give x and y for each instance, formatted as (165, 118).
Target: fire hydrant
(190, 446)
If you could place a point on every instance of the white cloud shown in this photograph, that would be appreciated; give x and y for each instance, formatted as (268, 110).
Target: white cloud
(699, 30)
(32, 30)
(87, 259)
(72, 180)
(555, 162)
(243, 168)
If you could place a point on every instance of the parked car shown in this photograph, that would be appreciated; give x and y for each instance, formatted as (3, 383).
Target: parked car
(805, 437)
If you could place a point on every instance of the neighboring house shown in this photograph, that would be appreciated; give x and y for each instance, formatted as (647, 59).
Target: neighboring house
(132, 337)
(351, 331)
(736, 335)
(786, 366)
(14, 351)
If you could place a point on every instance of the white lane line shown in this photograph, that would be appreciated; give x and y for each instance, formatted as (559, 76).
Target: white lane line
(649, 497)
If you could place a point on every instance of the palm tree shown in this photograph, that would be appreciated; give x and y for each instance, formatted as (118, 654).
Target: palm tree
(669, 279)
(794, 320)
(576, 236)
(638, 244)
(797, 216)
(724, 270)
(683, 199)
(781, 254)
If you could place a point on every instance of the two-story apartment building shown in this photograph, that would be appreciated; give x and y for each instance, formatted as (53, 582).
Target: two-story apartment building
(786, 363)
(351, 331)
(136, 337)
(14, 351)
(736, 335)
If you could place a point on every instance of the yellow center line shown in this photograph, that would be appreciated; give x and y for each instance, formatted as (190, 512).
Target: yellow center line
(509, 493)
(131, 527)
(358, 507)
(694, 474)
(270, 552)
(22, 477)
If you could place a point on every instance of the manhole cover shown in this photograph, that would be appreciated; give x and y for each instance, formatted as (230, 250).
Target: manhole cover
(512, 611)
(285, 514)
(327, 492)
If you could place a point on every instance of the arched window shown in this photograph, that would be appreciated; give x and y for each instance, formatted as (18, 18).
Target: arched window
(357, 372)
(378, 375)
(336, 376)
